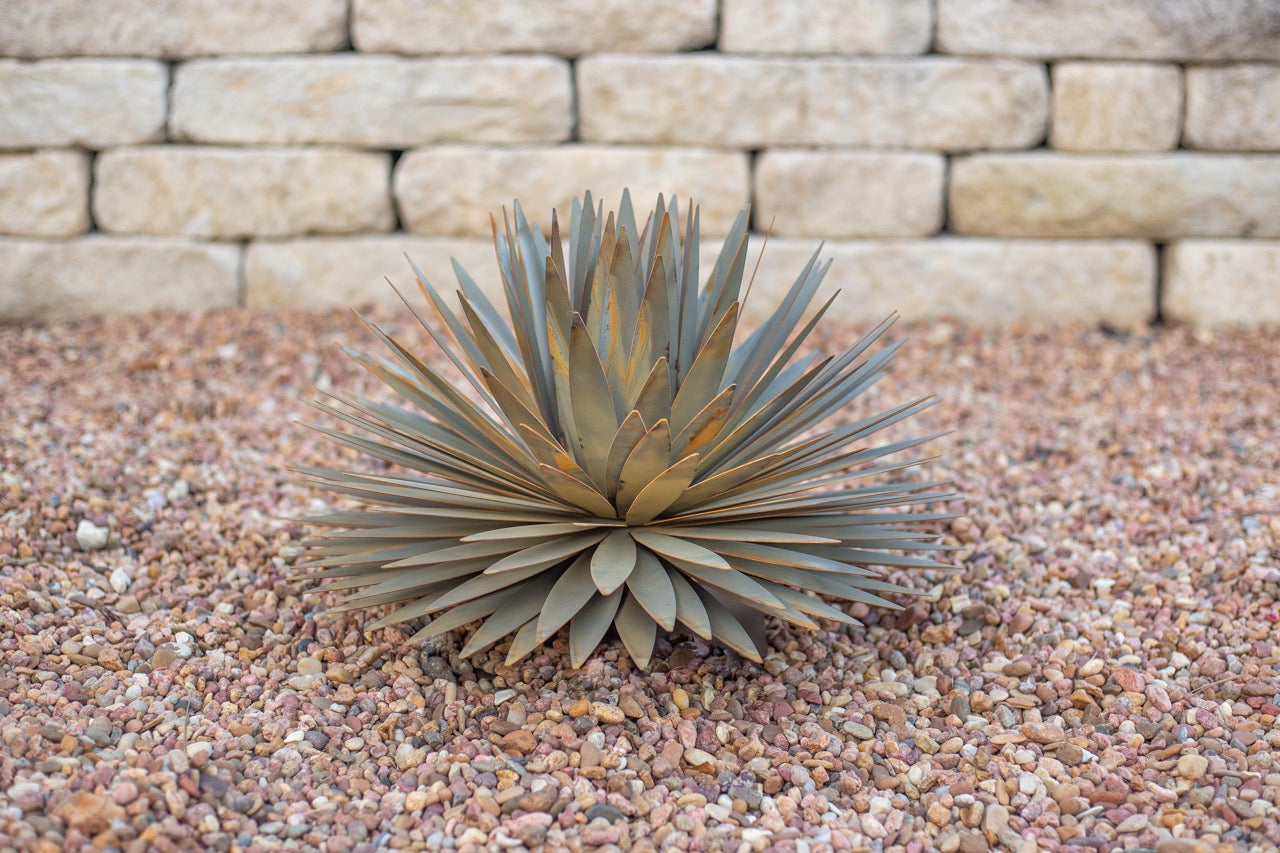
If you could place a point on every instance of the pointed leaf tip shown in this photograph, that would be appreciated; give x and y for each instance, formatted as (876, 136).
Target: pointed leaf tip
(613, 561)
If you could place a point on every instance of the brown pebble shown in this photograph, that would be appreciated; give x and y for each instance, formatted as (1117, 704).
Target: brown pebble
(1193, 766)
(699, 759)
(1089, 667)
(589, 755)
(890, 713)
(519, 742)
(1129, 680)
(507, 795)
(607, 714)
(1184, 845)
(89, 813)
(537, 801)
(1044, 732)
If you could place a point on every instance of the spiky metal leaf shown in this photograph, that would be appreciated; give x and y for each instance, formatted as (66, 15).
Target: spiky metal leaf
(616, 459)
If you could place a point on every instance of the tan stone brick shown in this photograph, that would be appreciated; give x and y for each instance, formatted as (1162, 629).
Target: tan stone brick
(81, 102)
(86, 276)
(229, 193)
(980, 281)
(336, 271)
(752, 102)
(169, 28)
(848, 194)
(452, 190)
(1115, 29)
(376, 101)
(1209, 282)
(565, 27)
(44, 193)
(1156, 196)
(989, 282)
(1233, 108)
(1115, 106)
(820, 26)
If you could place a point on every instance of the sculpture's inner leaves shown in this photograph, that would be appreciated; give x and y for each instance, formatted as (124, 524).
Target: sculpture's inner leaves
(614, 458)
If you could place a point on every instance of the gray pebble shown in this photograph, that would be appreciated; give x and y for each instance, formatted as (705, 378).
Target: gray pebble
(607, 812)
(316, 738)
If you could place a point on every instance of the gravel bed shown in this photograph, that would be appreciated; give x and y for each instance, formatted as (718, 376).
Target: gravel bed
(1102, 674)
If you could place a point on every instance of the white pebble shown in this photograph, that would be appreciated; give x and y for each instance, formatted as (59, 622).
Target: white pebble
(179, 490)
(199, 748)
(1028, 783)
(90, 536)
(120, 579)
(716, 812)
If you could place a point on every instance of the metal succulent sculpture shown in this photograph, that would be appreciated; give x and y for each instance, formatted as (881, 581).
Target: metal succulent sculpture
(613, 458)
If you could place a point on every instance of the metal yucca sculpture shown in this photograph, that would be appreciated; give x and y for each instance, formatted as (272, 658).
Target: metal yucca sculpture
(613, 458)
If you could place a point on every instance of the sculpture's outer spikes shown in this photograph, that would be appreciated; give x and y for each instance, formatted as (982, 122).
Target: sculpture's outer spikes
(616, 459)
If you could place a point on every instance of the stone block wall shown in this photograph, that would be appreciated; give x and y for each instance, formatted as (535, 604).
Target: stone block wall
(990, 160)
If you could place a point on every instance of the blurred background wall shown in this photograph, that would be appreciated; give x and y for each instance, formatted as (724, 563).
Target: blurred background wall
(1110, 161)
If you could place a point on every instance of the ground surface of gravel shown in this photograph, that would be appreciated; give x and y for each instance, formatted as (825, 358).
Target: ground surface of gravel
(1101, 674)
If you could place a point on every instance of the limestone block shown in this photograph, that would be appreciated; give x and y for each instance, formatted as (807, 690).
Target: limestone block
(44, 193)
(750, 102)
(562, 27)
(377, 101)
(169, 28)
(848, 193)
(353, 271)
(1210, 282)
(820, 26)
(230, 193)
(1115, 29)
(90, 103)
(86, 276)
(988, 282)
(1233, 108)
(980, 281)
(453, 189)
(1156, 196)
(1115, 106)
